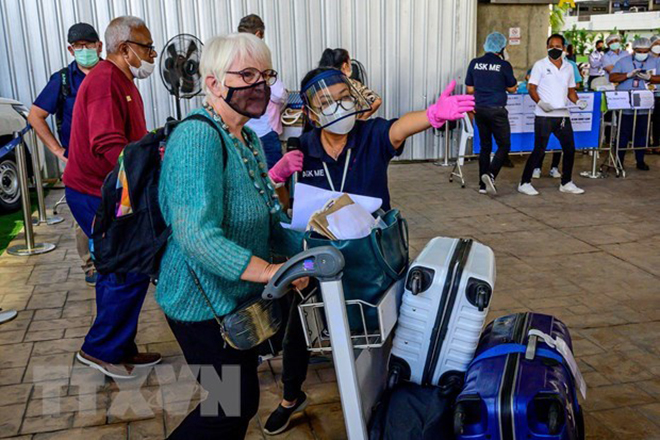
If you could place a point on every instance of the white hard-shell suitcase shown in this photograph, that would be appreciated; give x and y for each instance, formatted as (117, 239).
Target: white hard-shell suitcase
(444, 307)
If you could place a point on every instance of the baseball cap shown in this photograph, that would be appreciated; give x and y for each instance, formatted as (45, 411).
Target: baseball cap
(82, 31)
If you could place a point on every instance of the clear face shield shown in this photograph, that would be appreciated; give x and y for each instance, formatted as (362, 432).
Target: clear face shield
(333, 102)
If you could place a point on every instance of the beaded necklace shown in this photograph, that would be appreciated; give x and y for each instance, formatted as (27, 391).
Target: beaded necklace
(260, 180)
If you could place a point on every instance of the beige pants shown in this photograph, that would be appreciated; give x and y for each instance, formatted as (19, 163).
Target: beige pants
(82, 245)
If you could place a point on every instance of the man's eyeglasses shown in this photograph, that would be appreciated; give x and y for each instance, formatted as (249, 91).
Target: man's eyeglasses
(252, 75)
(150, 47)
(78, 46)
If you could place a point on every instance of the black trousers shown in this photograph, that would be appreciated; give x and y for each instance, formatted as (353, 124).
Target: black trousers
(626, 135)
(493, 122)
(295, 356)
(203, 345)
(556, 158)
(563, 131)
(656, 122)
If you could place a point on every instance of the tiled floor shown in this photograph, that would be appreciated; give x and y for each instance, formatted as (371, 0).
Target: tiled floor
(592, 260)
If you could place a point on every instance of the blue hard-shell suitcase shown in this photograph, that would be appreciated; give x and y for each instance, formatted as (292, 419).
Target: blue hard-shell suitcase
(518, 387)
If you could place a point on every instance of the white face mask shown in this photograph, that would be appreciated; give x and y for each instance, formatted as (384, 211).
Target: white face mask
(641, 56)
(342, 126)
(656, 49)
(145, 70)
(505, 55)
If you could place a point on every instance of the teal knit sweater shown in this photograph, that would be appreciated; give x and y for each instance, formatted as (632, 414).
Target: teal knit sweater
(219, 220)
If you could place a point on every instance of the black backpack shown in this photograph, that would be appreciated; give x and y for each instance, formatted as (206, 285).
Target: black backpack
(135, 242)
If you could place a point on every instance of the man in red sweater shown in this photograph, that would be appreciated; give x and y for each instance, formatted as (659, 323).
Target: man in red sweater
(109, 114)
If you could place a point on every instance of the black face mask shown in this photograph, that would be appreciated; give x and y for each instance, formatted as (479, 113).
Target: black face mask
(601, 49)
(250, 101)
(555, 53)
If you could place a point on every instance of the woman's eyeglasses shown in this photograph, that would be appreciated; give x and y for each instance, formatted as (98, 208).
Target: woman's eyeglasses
(252, 75)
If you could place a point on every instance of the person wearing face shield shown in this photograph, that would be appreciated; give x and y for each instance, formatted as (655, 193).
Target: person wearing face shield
(655, 53)
(58, 98)
(225, 222)
(345, 154)
(340, 59)
(551, 86)
(635, 72)
(615, 53)
(489, 78)
(109, 114)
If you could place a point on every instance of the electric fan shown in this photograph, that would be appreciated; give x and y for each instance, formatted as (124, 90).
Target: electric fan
(179, 68)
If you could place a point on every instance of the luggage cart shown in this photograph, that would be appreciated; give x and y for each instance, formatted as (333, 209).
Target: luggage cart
(360, 355)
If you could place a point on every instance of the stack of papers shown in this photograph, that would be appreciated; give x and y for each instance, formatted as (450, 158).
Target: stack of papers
(342, 219)
(310, 199)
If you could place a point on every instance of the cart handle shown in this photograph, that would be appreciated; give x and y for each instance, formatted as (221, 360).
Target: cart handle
(324, 263)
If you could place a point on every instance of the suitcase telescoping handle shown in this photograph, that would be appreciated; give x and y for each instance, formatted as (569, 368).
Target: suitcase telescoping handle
(324, 263)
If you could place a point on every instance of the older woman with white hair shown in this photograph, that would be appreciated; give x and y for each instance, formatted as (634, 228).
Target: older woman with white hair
(218, 196)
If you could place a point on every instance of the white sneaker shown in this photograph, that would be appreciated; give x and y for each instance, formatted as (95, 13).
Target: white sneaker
(483, 191)
(570, 188)
(554, 173)
(537, 173)
(488, 180)
(527, 189)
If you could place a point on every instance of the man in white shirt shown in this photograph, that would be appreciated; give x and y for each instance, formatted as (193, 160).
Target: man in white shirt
(596, 62)
(551, 85)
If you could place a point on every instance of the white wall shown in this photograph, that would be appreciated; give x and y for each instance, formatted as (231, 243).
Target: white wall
(411, 48)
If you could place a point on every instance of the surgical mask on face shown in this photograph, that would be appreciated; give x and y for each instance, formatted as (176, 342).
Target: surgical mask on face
(145, 70)
(505, 55)
(341, 126)
(615, 46)
(250, 101)
(656, 49)
(555, 53)
(86, 57)
(641, 56)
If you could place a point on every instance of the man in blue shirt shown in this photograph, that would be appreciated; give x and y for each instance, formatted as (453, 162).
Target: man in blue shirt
(635, 72)
(489, 78)
(58, 98)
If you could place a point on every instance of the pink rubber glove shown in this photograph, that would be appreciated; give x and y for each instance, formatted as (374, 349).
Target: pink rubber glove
(448, 107)
(291, 162)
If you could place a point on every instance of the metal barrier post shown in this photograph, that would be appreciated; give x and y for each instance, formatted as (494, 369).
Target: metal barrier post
(30, 247)
(42, 217)
(594, 173)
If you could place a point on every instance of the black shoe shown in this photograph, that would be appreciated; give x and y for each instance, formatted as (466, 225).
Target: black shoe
(642, 166)
(507, 163)
(279, 420)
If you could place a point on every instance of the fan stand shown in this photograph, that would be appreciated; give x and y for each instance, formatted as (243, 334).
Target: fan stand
(178, 104)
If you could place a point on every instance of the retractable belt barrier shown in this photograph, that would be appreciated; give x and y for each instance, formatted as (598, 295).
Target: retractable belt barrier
(18, 145)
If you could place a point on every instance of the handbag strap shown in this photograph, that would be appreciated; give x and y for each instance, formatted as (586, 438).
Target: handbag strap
(206, 298)
(380, 258)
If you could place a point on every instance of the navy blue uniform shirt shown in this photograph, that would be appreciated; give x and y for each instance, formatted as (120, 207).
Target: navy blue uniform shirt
(49, 100)
(371, 152)
(490, 76)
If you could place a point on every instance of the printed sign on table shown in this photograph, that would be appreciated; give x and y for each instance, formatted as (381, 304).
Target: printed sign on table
(617, 100)
(528, 104)
(516, 123)
(641, 99)
(514, 104)
(581, 121)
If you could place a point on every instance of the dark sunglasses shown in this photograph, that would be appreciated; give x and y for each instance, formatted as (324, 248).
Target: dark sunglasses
(252, 75)
(151, 47)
